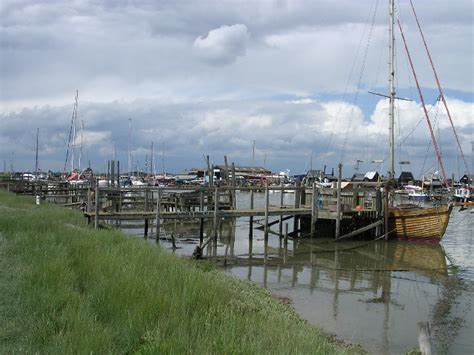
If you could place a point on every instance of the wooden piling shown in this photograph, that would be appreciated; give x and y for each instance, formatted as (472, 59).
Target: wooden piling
(251, 217)
(89, 200)
(266, 227)
(96, 217)
(201, 231)
(386, 211)
(314, 209)
(297, 205)
(424, 338)
(280, 223)
(158, 211)
(338, 207)
(234, 199)
(146, 228)
(285, 239)
(216, 207)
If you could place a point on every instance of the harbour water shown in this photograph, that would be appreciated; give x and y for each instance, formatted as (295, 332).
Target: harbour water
(371, 293)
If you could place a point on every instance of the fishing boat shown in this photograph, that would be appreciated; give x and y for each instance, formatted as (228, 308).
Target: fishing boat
(412, 222)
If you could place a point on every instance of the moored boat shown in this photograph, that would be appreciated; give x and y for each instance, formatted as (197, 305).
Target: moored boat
(423, 224)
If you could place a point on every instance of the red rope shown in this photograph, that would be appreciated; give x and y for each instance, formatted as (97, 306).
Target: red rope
(439, 88)
(438, 153)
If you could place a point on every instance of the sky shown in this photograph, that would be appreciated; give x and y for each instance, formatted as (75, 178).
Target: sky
(196, 78)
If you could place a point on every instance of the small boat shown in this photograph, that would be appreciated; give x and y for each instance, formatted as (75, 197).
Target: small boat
(424, 224)
(462, 194)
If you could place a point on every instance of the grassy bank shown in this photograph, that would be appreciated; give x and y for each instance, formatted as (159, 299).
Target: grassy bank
(65, 288)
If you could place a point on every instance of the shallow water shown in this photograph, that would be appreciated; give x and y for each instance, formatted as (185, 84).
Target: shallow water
(369, 293)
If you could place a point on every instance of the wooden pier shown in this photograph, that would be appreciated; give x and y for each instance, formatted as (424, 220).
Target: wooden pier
(349, 212)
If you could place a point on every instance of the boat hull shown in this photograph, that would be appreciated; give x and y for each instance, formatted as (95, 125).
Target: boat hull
(419, 223)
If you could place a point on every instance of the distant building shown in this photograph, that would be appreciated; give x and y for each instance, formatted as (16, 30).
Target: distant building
(467, 179)
(370, 176)
(406, 177)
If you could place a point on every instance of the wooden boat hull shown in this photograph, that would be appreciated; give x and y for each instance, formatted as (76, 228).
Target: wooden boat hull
(419, 223)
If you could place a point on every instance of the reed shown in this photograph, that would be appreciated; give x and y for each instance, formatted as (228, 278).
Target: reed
(65, 288)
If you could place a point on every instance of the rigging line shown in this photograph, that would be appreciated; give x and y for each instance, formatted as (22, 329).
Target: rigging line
(438, 153)
(359, 82)
(411, 132)
(329, 140)
(429, 145)
(439, 86)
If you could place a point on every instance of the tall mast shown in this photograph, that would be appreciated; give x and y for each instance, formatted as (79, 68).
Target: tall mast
(152, 160)
(82, 144)
(391, 112)
(74, 129)
(130, 146)
(163, 157)
(36, 158)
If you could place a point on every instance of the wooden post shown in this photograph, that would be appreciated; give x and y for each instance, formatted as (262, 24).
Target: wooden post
(378, 208)
(227, 181)
(424, 338)
(201, 231)
(146, 200)
(285, 240)
(297, 205)
(314, 209)
(209, 171)
(251, 217)
(89, 199)
(266, 227)
(338, 209)
(146, 228)
(386, 211)
(234, 199)
(158, 212)
(280, 224)
(96, 217)
(216, 207)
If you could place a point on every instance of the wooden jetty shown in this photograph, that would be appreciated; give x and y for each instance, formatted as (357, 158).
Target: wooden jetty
(348, 212)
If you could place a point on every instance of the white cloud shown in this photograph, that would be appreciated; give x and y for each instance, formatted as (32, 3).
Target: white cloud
(223, 45)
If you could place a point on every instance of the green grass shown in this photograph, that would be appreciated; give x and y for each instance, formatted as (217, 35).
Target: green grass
(65, 288)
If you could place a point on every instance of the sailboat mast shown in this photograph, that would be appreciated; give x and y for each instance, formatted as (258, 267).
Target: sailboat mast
(392, 90)
(74, 129)
(82, 143)
(130, 146)
(36, 158)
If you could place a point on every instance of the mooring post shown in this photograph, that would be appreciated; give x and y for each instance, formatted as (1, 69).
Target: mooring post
(89, 199)
(216, 207)
(251, 217)
(338, 207)
(146, 200)
(378, 208)
(158, 212)
(285, 240)
(424, 338)
(280, 224)
(314, 209)
(266, 227)
(96, 216)
(234, 206)
(386, 211)
(297, 205)
(201, 220)
(146, 229)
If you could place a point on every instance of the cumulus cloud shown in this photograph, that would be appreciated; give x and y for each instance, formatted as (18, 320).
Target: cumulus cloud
(223, 45)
